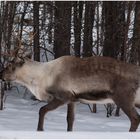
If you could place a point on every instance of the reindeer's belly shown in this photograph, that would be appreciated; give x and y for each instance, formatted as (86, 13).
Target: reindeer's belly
(99, 97)
(103, 101)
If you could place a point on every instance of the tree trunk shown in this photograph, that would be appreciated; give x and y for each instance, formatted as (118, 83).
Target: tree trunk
(129, 7)
(36, 30)
(11, 14)
(114, 26)
(135, 50)
(0, 29)
(88, 26)
(78, 10)
(121, 31)
(62, 29)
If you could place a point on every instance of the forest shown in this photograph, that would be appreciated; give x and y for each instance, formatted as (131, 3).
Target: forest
(51, 29)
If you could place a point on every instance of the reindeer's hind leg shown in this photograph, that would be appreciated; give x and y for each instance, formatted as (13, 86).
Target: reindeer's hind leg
(43, 110)
(124, 98)
(70, 116)
(131, 112)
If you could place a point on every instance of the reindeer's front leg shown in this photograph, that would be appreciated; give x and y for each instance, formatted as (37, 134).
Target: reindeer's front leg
(70, 116)
(43, 110)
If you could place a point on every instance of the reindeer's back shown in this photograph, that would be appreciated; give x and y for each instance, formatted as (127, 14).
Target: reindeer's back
(90, 65)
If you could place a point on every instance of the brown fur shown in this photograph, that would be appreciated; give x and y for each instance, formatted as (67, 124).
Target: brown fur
(91, 65)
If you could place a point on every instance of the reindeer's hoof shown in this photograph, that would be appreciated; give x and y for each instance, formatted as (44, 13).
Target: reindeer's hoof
(40, 129)
(69, 129)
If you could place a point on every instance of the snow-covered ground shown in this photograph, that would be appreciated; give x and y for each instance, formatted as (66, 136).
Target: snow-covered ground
(20, 116)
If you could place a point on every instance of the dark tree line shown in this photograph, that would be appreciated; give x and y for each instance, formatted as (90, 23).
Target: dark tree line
(94, 28)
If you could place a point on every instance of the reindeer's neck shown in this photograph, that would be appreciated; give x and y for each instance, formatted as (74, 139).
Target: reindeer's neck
(32, 75)
(29, 72)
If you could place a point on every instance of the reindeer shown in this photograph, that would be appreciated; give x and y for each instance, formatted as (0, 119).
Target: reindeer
(69, 79)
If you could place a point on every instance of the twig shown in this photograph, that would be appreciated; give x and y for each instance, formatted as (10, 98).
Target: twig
(47, 50)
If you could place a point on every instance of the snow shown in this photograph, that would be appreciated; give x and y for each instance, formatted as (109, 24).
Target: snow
(20, 116)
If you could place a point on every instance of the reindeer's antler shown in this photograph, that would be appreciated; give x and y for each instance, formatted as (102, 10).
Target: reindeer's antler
(20, 50)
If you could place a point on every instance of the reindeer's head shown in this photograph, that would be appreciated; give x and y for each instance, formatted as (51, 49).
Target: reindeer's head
(11, 68)
(9, 73)
(16, 59)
